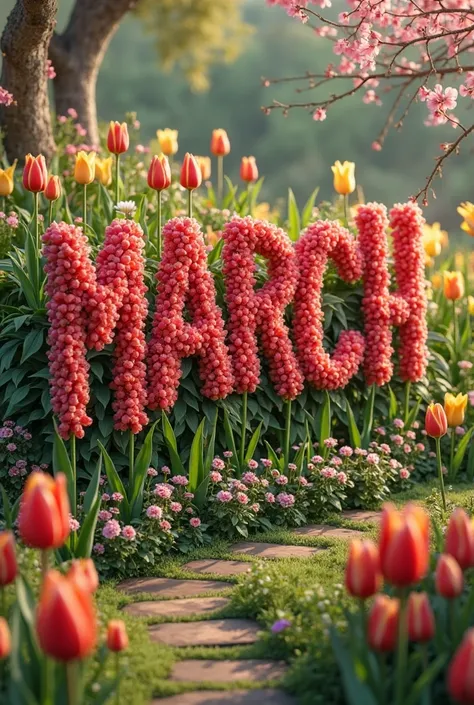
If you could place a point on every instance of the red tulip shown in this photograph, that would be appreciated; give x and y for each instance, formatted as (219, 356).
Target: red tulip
(53, 188)
(44, 511)
(65, 620)
(35, 173)
(421, 621)
(159, 173)
(404, 544)
(5, 639)
(191, 176)
(363, 576)
(461, 673)
(449, 577)
(382, 626)
(117, 138)
(8, 566)
(436, 422)
(84, 573)
(248, 169)
(117, 637)
(220, 145)
(460, 538)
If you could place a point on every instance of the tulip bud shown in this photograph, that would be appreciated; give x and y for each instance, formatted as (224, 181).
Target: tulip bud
(65, 619)
(248, 169)
(6, 180)
(168, 140)
(35, 173)
(404, 544)
(363, 576)
(84, 170)
(159, 173)
(117, 138)
(117, 637)
(344, 177)
(53, 188)
(5, 639)
(455, 408)
(44, 511)
(421, 621)
(436, 423)
(460, 680)
(220, 145)
(453, 285)
(449, 577)
(84, 573)
(103, 171)
(470, 305)
(205, 166)
(382, 625)
(8, 565)
(191, 177)
(460, 538)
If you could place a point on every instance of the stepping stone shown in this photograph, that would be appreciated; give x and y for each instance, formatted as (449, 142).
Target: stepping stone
(274, 550)
(177, 608)
(235, 697)
(218, 567)
(360, 515)
(227, 671)
(213, 632)
(329, 532)
(169, 587)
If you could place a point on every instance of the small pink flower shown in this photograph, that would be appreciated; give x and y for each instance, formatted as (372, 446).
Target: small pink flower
(165, 525)
(104, 515)
(151, 472)
(11, 447)
(72, 113)
(380, 430)
(303, 481)
(460, 431)
(275, 473)
(420, 447)
(407, 448)
(154, 512)
(195, 522)
(215, 476)
(336, 461)
(346, 451)
(317, 459)
(114, 510)
(330, 442)
(264, 482)
(227, 454)
(176, 507)
(255, 507)
(285, 500)
(292, 467)
(105, 497)
(111, 530)
(224, 496)
(218, 464)
(373, 459)
(129, 533)
(189, 495)
(163, 491)
(398, 423)
(249, 478)
(281, 480)
(165, 470)
(319, 114)
(73, 524)
(269, 497)
(117, 497)
(242, 498)
(398, 440)
(252, 464)
(342, 478)
(385, 448)
(411, 435)
(267, 463)
(404, 474)
(98, 548)
(179, 480)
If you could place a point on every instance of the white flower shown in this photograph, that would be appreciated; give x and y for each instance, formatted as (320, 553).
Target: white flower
(126, 208)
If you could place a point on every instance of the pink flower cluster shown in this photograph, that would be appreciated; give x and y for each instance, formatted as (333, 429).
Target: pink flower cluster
(261, 311)
(321, 241)
(6, 98)
(184, 279)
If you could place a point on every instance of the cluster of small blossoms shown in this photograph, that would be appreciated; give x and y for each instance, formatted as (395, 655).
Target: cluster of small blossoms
(15, 451)
(260, 312)
(321, 241)
(6, 98)
(184, 279)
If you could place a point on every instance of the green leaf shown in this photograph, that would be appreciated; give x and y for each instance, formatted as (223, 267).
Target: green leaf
(170, 440)
(210, 448)
(7, 510)
(253, 442)
(61, 463)
(200, 495)
(196, 458)
(368, 418)
(308, 208)
(325, 422)
(32, 343)
(428, 676)
(93, 488)
(357, 692)
(85, 541)
(413, 413)
(229, 436)
(461, 449)
(294, 223)
(215, 254)
(392, 411)
(142, 463)
(277, 462)
(354, 434)
(16, 398)
(470, 463)
(115, 482)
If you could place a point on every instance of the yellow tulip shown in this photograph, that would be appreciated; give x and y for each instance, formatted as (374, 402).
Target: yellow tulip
(103, 170)
(455, 408)
(168, 140)
(470, 305)
(344, 177)
(6, 180)
(84, 170)
(466, 210)
(453, 285)
(205, 166)
(437, 281)
(432, 239)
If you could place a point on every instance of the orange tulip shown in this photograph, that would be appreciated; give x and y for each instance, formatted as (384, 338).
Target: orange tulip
(461, 673)
(65, 620)
(191, 177)
(117, 637)
(449, 577)
(383, 623)
(117, 138)
(436, 422)
(460, 538)
(84, 573)
(248, 169)
(363, 576)
(159, 173)
(8, 565)
(35, 173)
(453, 285)
(44, 511)
(53, 188)
(421, 621)
(5, 639)
(220, 144)
(404, 544)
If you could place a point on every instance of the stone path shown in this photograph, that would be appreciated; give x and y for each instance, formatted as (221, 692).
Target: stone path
(178, 598)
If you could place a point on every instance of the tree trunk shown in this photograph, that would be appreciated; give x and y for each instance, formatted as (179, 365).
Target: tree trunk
(77, 55)
(24, 45)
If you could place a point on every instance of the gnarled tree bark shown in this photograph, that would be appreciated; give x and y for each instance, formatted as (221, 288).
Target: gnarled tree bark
(77, 55)
(24, 45)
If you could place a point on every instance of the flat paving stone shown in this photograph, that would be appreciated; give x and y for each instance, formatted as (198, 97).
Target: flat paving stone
(218, 567)
(330, 532)
(213, 632)
(360, 515)
(267, 696)
(256, 670)
(274, 550)
(183, 607)
(170, 587)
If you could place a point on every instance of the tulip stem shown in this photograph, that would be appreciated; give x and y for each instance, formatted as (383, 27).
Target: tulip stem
(44, 564)
(243, 432)
(3, 597)
(72, 443)
(220, 179)
(37, 237)
(249, 198)
(158, 224)
(345, 200)
(47, 683)
(286, 447)
(402, 649)
(440, 472)
(407, 401)
(190, 203)
(71, 679)
(117, 178)
(117, 674)
(451, 455)
(50, 215)
(131, 461)
(455, 333)
(84, 207)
